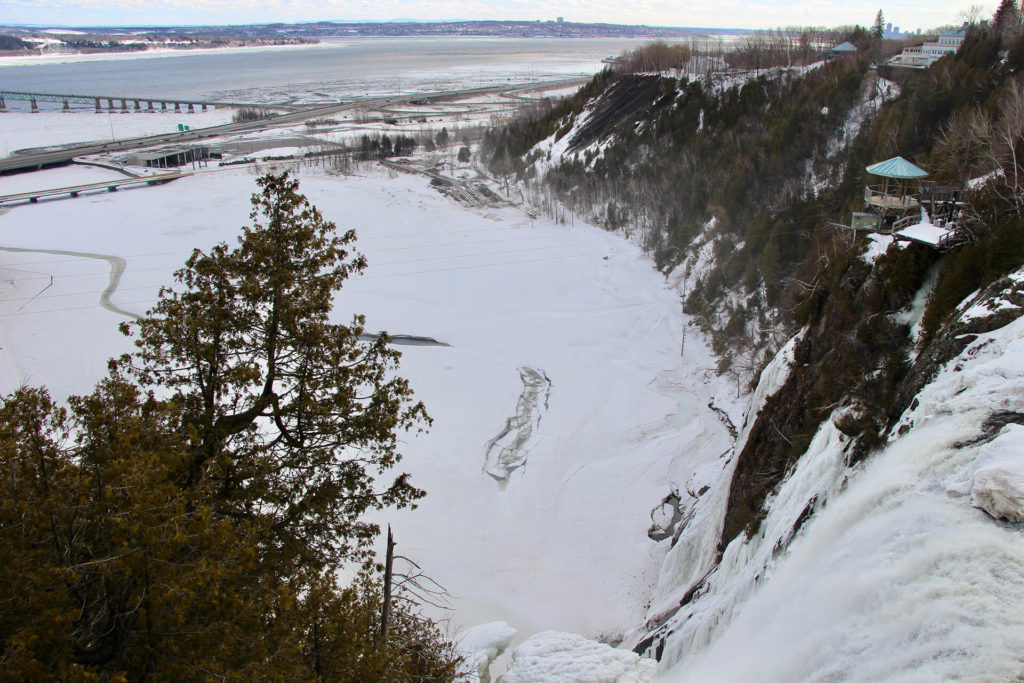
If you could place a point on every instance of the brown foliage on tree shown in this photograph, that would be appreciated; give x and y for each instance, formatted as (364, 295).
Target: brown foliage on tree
(656, 56)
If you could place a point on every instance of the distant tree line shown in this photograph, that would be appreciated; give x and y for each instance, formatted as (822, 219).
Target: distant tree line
(655, 56)
(105, 45)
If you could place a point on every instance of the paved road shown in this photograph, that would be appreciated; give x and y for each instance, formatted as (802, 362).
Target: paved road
(61, 156)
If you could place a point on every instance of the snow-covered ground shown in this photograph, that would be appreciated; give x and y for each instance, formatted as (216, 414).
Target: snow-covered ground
(561, 543)
(26, 131)
(910, 570)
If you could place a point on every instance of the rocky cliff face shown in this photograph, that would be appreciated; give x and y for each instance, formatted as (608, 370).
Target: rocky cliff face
(905, 563)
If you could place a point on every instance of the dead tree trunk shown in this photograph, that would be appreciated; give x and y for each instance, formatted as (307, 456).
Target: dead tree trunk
(385, 610)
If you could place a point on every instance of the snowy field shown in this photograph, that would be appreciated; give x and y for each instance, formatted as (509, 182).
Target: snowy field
(562, 338)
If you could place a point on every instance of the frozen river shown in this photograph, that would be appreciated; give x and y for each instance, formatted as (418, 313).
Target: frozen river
(327, 71)
(562, 408)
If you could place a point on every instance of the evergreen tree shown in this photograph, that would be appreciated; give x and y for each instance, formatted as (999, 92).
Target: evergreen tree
(187, 518)
(878, 28)
(288, 413)
(442, 138)
(1007, 18)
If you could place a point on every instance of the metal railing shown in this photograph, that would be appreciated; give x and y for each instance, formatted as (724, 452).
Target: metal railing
(905, 222)
(874, 195)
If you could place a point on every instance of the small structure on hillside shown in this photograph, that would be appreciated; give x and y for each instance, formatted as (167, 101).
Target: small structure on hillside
(910, 208)
(923, 56)
(898, 193)
(842, 50)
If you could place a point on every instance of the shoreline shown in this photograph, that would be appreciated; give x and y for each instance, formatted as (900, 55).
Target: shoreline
(324, 43)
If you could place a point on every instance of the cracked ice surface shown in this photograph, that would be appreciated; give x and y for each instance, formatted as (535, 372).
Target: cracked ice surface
(508, 451)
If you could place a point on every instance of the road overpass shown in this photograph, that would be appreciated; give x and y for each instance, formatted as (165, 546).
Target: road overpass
(76, 190)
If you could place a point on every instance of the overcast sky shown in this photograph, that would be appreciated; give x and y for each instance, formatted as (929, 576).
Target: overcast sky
(714, 13)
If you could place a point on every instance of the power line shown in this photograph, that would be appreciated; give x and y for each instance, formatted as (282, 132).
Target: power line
(91, 258)
(573, 239)
(371, 264)
(367, 277)
(79, 293)
(484, 265)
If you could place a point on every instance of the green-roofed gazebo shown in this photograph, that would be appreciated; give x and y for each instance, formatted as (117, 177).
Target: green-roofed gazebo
(897, 167)
(898, 195)
(844, 49)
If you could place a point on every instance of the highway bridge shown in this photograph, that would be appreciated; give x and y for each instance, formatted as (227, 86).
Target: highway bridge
(152, 104)
(57, 157)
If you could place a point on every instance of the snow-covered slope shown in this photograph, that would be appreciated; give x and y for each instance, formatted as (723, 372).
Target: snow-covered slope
(908, 570)
(901, 576)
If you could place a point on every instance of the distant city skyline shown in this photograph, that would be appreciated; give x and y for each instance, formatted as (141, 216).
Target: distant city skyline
(909, 16)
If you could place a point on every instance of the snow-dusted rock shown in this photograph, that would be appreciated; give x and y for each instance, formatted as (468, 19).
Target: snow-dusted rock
(480, 646)
(554, 657)
(998, 486)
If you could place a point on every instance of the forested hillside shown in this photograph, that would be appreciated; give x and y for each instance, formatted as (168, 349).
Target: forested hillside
(739, 187)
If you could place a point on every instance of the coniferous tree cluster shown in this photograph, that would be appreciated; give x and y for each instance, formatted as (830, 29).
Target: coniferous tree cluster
(383, 147)
(187, 519)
